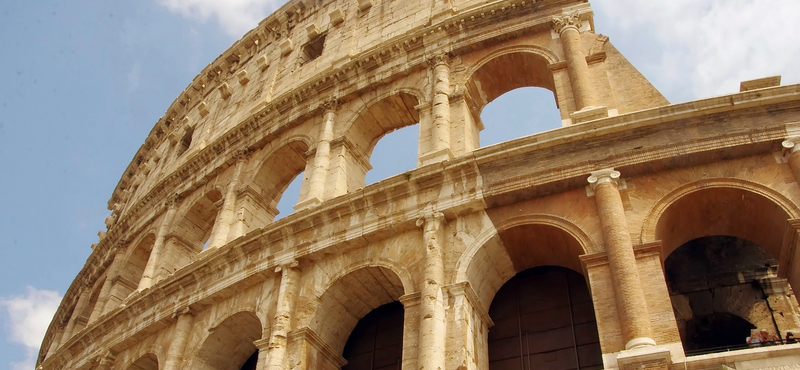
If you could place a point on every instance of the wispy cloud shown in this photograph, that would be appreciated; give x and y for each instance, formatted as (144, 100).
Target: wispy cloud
(704, 48)
(235, 17)
(28, 317)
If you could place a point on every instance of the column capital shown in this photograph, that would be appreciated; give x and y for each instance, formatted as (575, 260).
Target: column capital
(790, 144)
(173, 201)
(566, 22)
(242, 154)
(431, 222)
(330, 104)
(293, 264)
(603, 176)
(188, 310)
(106, 360)
(439, 59)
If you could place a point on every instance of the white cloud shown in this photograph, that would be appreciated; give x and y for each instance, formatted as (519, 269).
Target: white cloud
(696, 49)
(28, 318)
(236, 17)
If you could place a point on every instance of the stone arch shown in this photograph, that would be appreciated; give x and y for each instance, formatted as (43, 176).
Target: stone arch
(383, 114)
(775, 208)
(496, 254)
(406, 280)
(229, 342)
(484, 84)
(192, 227)
(147, 361)
(274, 171)
(351, 296)
(136, 260)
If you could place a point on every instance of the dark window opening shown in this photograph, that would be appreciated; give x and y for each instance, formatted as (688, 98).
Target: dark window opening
(313, 49)
(544, 319)
(376, 343)
(185, 142)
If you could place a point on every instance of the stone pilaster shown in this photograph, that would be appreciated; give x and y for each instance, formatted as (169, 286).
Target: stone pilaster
(76, 319)
(468, 323)
(322, 159)
(632, 307)
(432, 326)
(158, 246)
(440, 129)
(180, 336)
(227, 213)
(287, 297)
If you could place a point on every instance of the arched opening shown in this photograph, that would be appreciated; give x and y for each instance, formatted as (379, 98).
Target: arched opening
(538, 108)
(198, 222)
(229, 346)
(544, 319)
(274, 176)
(376, 343)
(134, 266)
(373, 123)
(388, 160)
(350, 299)
(720, 288)
(519, 112)
(146, 362)
(722, 247)
(289, 197)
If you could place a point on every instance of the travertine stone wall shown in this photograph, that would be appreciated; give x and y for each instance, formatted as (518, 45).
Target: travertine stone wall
(194, 273)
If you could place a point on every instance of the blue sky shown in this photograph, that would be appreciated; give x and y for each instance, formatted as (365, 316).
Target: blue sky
(83, 82)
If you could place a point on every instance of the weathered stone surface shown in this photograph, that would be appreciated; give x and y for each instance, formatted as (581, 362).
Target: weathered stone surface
(193, 273)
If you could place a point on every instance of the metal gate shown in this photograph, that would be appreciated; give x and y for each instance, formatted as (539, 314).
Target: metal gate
(544, 319)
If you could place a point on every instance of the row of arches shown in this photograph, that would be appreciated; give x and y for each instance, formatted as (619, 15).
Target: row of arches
(272, 170)
(542, 304)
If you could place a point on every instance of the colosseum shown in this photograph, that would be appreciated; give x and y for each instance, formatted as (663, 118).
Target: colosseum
(639, 234)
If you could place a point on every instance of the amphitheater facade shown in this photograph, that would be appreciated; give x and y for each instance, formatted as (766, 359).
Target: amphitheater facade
(639, 235)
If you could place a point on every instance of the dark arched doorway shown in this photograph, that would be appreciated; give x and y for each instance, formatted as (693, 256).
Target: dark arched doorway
(718, 286)
(376, 343)
(544, 319)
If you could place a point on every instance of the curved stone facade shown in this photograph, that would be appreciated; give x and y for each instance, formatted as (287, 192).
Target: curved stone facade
(193, 272)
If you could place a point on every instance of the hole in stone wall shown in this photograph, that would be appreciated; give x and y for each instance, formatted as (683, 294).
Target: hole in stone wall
(395, 153)
(313, 49)
(519, 112)
(186, 141)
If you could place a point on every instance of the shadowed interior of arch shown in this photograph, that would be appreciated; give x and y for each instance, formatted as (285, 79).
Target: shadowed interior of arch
(493, 79)
(146, 362)
(350, 298)
(229, 345)
(718, 286)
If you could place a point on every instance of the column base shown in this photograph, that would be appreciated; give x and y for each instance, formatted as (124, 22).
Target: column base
(308, 203)
(588, 114)
(643, 357)
(437, 156)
